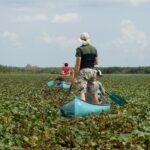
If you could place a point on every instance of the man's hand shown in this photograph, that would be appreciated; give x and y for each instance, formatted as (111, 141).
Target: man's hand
(74, 81)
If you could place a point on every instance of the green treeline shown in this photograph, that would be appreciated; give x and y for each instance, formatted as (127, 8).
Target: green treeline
(126, 70)
(56, 70)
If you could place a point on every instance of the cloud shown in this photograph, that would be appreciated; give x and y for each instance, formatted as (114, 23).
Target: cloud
(112, 3)
(33, 18)
(22, 9)
(138, 2)
(11, 37)
(60, 41)
(131, 37)
(65, 18)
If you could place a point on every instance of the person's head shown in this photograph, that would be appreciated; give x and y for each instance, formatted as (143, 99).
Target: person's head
(84, 38)
(66, 64)
(99, 74)
(59, 78)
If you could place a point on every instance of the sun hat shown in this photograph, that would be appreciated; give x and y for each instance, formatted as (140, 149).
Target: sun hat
(84, 38)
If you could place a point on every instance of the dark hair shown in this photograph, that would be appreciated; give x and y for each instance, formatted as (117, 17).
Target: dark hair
(59, 78)
(99, 73)
(66, 64)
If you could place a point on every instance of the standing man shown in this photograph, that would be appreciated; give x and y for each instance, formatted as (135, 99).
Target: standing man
(85, 74)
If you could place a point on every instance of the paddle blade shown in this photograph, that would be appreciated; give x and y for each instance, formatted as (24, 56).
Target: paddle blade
(117, 99)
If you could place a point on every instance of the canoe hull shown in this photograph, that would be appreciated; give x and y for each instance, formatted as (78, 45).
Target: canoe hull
(50, 83)
(63, 85)
(78, 107)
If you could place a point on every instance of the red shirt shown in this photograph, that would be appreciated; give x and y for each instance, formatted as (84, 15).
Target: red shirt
(66, 70)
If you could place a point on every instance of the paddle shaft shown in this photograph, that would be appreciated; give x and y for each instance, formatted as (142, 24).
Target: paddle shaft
(117, 99)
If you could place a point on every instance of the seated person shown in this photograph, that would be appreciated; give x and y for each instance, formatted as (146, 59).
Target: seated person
(65, 69)
(59, 80)
(101, 90)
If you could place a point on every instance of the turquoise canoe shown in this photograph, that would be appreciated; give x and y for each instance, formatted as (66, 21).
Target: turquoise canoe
(62, 84)
(78, 107)
(50, 83)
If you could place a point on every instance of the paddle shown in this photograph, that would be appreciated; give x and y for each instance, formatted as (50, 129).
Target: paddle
(70, 88)
(117, 99)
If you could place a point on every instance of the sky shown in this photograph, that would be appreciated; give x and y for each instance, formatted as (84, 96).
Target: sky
(45, 33)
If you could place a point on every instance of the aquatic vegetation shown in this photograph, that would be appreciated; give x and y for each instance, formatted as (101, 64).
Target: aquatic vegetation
(28, 115)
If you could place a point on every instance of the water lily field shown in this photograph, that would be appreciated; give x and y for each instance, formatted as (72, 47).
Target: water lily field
(29, 120)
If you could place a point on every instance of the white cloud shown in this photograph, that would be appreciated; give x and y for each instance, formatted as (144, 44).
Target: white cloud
(69, 17)
(22, 9)
(138, 2)
(26, 18)
(10, 37)
(131, 37)
(113, 3)
(132, 2)
(61, 41)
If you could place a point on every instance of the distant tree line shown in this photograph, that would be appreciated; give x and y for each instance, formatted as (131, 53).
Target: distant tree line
(56, 70)
(126, 70)
(29, 69)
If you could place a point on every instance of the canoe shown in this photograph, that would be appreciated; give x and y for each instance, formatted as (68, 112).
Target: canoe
(64, 85)
(77, 107)
(50, 83)
(61, 84)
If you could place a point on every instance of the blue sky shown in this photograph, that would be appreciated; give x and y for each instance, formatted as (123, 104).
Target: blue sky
(45, 32)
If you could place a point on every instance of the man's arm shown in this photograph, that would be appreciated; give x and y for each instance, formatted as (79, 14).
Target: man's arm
(96, 61)
(77, 66)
